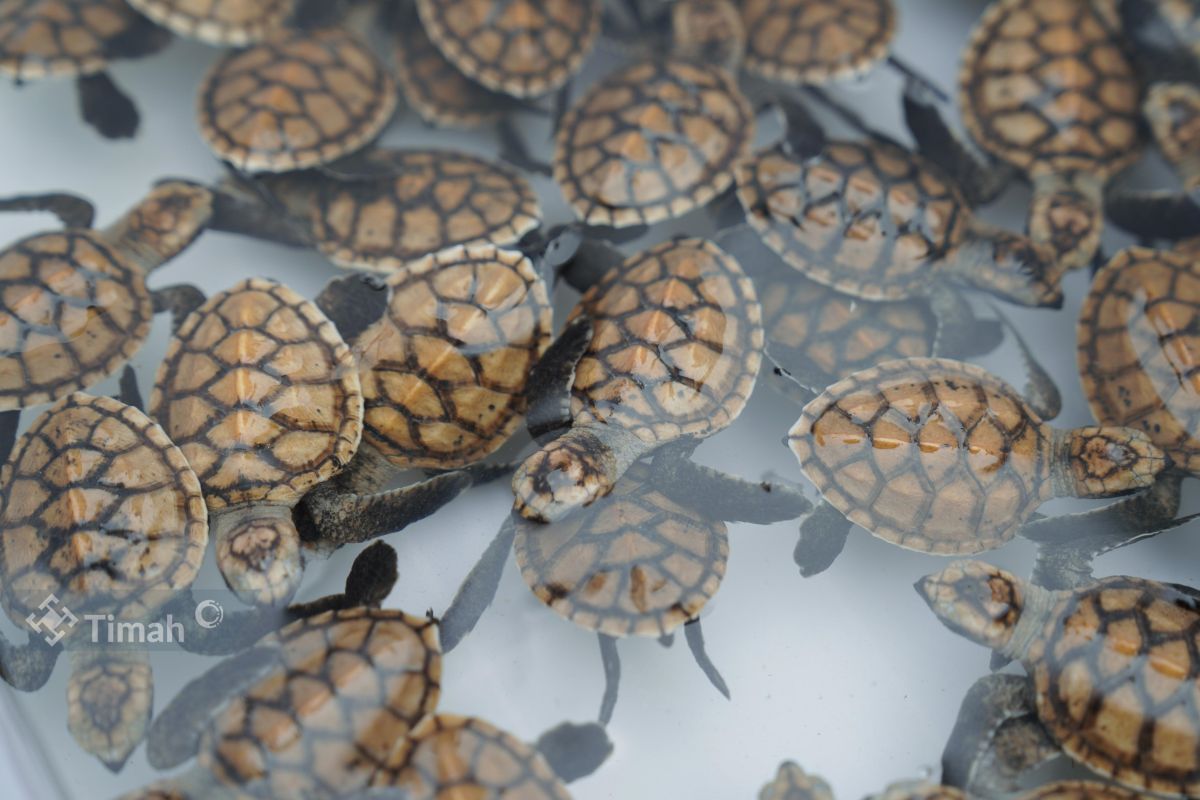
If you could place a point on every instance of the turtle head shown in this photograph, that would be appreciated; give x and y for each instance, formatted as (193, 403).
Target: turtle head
(1009, 265)
(708, 31)
(109, 698)
(163, 224)
(1107, 460)
(573, 471)
(259, 555)
(976, 600)
(1067, 215)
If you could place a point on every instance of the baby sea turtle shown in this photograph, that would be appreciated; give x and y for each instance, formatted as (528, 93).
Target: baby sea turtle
(793, 783)
(942, 457)
(1112, 666)
(1059, 790)
(68, 38)
(297, 99)
(522, 48)
(102, 515)
(444, 369)
(261, 394)
(232, 23)
(75, 305)
(675, 349)
(1046, 89)
(651, 141)
(421, 202)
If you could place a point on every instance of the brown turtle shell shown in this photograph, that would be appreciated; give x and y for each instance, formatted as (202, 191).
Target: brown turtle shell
(922, 790)
(424, 201)
(449, 756)
(349, 686)
(52, 338)
(523, 48)
(41, 38)
(101, 510)
(634, 563)
(793, 783)
(816, 41)
(837, 334)
(261, 394)
(1047, 87)
(295, 100)
(444, 371)
(1138, 345)
(930, 454)
(676, 344)
(1118, 682)
(1079, 790)
(435, 88)
(652, 141)
(234, 23)
(826, 216)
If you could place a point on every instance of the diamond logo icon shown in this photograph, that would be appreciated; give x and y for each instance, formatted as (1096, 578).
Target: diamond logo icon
(55, 620)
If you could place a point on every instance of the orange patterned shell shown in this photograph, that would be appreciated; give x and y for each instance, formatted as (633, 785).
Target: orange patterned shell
(449, 757)
(1118, 682)
(40, 38)
(261, 394)
(425, 201)
(1046, 86)
(1079, 790)
(676, 345)
(633, 563)
(350, 684)
(295, 100)
(930, 454)
(816, 41)
(522, 48)
(73, 308)
(921, 790)
(825, 216)
(444, 371)
(219, 22)
(101, 510)
(436, 90)
(652, 141)
(793, 783)
(1138, 346)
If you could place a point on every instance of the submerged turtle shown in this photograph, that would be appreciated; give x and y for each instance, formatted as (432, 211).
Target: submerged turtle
(1114, 678)
(76, 39)
(1046, 89)
(793, 783)
(421, 202)
(262, 396)
(651, 141)
(234, 23)
(522, 48)
(675, 349)
(295, 100)
(942, 457)
(444, 369)
(101, 516)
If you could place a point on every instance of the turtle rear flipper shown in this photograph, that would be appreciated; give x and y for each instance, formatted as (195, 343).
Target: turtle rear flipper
(106, 108)
(823, 536)
(477, 590)
(27, 667)
(71, 209)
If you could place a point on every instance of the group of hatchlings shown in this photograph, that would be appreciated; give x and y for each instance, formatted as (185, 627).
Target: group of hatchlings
(277, 424)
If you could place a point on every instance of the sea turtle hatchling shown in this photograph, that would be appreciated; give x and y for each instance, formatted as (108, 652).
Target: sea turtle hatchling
(522, 48)
(78, 39)
(1112, 670)
(942, 457)
(231, 23)
(421, 201)
(674, 352)
(101, 514)
(1046, 88)
(444, 367)
(793, 783)
(296, 100)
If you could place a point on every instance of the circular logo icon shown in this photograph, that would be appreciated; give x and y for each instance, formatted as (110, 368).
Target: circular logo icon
(209, 614)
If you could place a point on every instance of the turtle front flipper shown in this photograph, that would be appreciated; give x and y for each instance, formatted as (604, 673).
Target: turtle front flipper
(330, 516)
(353, 303)
(610, 660)
(1008, 265)
(549, 392)
(110, 696)
(72, 210)
(996, 738)
(106, 108)
(179, 300)
(1154, 214)
(573, 750)
(27, 667)
(718, 495)
(477, 590)
(823, 535)
(695, 641)
(1040, 390)
(371, 579)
